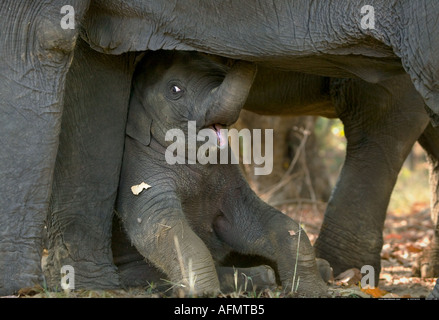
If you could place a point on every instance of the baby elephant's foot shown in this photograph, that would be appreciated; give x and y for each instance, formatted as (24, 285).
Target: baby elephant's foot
(325, 270)
(246, 279)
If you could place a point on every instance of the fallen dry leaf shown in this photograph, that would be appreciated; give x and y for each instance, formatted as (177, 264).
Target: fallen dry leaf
(399, 251)
(349, 292)
(413, 249)
(393, 236)
(30, 291)
(375, 292)
(291, 232)
(139, 188)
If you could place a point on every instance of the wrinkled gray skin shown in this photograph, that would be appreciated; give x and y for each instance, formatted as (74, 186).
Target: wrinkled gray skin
(381, 123)
(136, 271)
(210, 210)
(320, 37)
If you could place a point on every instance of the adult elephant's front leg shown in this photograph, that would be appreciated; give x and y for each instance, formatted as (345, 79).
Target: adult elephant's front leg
(35, 55)
(382, 122)
(87, 169)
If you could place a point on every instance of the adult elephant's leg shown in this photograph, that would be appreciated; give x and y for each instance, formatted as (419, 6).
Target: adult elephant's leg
(35, 55)
(382, 122)
(430, 142)
(87, 168)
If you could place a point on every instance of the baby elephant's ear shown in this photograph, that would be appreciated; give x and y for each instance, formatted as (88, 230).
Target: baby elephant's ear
(139, 122)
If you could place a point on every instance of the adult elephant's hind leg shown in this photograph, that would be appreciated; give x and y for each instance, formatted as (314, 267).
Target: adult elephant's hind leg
(382, 122)
(87, 169)
(429, 264)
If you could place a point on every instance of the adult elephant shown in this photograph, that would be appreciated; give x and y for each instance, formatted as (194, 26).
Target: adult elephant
(318, 37)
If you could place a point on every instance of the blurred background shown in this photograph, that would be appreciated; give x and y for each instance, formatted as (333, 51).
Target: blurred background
(308, 155)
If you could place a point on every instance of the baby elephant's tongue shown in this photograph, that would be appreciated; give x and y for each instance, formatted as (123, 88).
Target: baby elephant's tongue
(221, 134)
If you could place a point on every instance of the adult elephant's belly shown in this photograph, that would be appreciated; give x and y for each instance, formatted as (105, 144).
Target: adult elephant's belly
(344, 65)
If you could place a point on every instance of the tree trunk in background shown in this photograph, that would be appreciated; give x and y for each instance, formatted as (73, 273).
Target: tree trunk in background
(298, 171)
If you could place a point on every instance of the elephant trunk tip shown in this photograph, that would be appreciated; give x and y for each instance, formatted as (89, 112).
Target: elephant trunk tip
(228, 99)
(221, 134)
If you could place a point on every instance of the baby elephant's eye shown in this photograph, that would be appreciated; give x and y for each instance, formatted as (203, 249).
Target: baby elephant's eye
(175, 89)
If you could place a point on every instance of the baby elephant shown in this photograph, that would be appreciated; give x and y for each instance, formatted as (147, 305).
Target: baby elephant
(195, 217)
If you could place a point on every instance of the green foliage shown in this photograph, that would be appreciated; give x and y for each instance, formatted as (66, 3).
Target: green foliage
(412, 184)
(411, 187)
(332, 145)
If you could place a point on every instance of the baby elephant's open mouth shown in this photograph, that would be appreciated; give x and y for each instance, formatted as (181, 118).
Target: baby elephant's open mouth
(221, 134)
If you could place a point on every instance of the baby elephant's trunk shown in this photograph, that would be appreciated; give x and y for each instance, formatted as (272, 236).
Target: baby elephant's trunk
(253, 227)
(226, 102)
(296, 261)
(294, 255)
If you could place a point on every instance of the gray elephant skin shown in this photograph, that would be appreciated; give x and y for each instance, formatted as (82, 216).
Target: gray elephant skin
(381, 123)
(80, 80)
(195, 215)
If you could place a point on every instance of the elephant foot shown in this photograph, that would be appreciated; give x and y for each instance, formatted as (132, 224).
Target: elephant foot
(345, 249)
(80, 250)
(85, 275)
(434, 295)
(61, 270)
(19, 269)
(254, 279)
(246, 279)
(427, 266)
(325, 270)
(142, 274)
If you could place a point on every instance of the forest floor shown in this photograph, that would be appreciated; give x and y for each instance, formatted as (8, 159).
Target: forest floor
(407, 233)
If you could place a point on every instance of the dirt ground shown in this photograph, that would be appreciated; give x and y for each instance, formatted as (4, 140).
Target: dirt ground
(407, 233)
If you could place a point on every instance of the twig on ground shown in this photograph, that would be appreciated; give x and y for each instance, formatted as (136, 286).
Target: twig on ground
(287, 177)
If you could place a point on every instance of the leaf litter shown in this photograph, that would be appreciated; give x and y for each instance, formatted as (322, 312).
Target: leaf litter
(407, 235)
